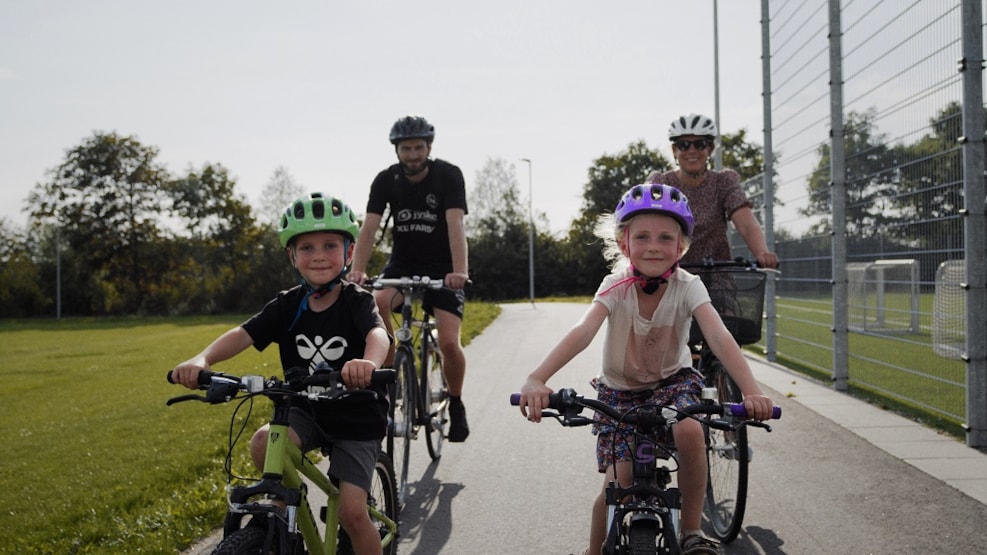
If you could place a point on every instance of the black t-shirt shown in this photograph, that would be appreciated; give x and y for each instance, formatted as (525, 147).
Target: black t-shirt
(419, 229)
(333, 336)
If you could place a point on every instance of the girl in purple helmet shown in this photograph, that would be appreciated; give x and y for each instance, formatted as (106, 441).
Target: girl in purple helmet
(649, 303)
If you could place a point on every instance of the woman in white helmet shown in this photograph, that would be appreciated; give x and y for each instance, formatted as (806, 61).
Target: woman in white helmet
(715, 196)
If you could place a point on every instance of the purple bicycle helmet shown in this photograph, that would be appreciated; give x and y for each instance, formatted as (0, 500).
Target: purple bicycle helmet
(658, 199)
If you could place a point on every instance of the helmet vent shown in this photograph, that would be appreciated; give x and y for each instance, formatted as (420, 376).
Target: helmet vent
(337, 208)
(319, 210)
(299, 211)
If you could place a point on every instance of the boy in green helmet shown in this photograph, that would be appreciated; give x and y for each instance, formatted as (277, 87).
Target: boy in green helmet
(322, 321)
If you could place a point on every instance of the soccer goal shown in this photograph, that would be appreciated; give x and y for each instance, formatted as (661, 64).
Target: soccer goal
(949, 310)
(883, 296)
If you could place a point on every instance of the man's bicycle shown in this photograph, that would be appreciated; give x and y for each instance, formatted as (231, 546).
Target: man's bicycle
(736, 288)
(419, 396)
(273, 514)
(642, 518)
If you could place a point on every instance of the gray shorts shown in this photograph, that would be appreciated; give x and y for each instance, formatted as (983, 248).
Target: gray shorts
(350, 460)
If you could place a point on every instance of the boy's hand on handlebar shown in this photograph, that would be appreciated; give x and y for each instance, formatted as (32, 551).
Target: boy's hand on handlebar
(358, 372)
(759, 407)
(187, 373)
(534, 398)
(456, 280)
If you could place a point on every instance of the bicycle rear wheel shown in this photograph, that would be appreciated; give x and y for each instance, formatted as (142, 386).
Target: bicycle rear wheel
(401, 431)
(728, 456)
(384, 497)
(435, 399)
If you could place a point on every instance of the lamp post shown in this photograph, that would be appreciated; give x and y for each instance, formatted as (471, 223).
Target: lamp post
(531, 239)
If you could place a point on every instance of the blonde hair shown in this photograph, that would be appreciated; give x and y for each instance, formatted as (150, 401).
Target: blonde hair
(611, 233)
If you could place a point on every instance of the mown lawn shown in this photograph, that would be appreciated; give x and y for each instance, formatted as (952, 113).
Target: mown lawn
(94, 462)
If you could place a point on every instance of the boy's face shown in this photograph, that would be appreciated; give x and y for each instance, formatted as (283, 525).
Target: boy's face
(319, 256)
(652, 242)
(413, 155)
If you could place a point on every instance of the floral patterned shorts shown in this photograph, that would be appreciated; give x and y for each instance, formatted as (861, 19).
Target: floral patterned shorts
(682, 389)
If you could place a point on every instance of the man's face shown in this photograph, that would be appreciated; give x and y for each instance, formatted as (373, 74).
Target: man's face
(413, 155)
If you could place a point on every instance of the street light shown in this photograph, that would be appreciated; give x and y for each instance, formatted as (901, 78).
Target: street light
(531, 240)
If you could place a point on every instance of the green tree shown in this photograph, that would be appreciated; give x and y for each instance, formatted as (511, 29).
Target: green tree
(106, 196)
(21, 293)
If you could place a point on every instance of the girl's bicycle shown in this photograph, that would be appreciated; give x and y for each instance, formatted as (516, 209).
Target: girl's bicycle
(273, 515)
(419, 396)
(736, 288)
(642, 518)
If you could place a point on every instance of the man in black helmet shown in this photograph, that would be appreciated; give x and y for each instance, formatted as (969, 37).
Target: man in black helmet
(427, 201)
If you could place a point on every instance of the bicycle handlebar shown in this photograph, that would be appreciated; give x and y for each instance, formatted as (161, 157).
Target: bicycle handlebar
(413, 282)
(221, 388)
(738, 262)
(570, 404)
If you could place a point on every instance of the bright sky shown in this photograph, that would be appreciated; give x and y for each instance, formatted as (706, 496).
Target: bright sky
(315, 85)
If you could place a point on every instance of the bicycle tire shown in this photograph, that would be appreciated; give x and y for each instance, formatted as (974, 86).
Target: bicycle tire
(642, 537)
(402, 412)
(384, 496)
(435, 398)
(245, 541)
(728, 458)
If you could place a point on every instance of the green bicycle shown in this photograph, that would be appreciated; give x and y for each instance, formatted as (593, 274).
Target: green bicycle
(273, 515)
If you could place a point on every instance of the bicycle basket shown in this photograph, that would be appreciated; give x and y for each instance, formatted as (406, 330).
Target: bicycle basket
(738, 297)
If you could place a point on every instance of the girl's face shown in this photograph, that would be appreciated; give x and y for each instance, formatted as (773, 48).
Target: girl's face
(692, 159)
(652, 242)
(319, 256)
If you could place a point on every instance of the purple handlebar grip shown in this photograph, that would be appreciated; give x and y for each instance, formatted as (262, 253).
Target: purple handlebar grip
(515, 399)
(738, 410)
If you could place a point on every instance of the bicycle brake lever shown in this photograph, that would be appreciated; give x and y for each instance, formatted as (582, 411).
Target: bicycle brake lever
(182, 398)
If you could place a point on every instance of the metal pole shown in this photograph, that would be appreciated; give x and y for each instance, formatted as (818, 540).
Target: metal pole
(837, 165)
(717, 154)
(770, 307)
(531, 238)
(972, 144)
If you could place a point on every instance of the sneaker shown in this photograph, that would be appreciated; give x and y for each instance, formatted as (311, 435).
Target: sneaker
(458, 428)
(697, 544)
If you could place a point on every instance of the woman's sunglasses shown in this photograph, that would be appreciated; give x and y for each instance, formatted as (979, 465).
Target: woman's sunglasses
(700, 144)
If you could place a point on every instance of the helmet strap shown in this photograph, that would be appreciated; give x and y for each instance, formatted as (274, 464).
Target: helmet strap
(651, 284)
(318, 292)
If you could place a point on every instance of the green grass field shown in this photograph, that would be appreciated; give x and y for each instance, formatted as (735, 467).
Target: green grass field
(94, 462)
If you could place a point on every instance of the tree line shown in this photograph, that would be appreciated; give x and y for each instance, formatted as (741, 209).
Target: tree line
(112, 232)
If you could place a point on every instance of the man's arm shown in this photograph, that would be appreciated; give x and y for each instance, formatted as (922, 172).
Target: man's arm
(460, 251)
(364, 248)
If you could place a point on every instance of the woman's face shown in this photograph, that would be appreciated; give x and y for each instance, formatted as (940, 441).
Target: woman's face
(689, 155)
(652, 242)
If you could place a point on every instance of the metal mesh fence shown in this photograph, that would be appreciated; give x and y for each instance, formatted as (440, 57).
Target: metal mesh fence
(902, 117)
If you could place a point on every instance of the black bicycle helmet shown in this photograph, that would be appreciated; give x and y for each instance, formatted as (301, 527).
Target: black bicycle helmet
(412, 127)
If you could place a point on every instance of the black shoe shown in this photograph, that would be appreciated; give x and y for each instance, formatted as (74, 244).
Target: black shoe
(458, 428)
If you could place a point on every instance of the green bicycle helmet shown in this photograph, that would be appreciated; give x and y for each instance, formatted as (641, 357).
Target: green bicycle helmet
(317, 212)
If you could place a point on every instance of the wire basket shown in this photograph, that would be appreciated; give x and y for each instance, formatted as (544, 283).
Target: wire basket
(738, 297)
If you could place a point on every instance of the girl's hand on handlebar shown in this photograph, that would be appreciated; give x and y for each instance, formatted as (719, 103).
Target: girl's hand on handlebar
(455, 280)
(358, 372)
(759, 407)
(534, 398)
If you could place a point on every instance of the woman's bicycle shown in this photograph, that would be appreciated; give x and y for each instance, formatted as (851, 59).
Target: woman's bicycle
(419, 396)
(642, 518)
(736, 288)
(273, 515)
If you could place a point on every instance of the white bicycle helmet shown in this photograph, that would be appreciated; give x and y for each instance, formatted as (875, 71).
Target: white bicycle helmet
(692, 124)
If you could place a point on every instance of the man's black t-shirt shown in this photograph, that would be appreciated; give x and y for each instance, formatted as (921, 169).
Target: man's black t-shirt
(420, 231)
(333, 336)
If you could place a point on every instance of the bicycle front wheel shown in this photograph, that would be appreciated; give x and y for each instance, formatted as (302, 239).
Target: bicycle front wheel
(642, 537)
(435, 398)
(401, 431)
(728, 456)
(384, 498)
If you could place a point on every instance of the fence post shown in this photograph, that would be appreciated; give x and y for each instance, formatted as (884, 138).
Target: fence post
(837, 167)
(768, 175)
(971, 67)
